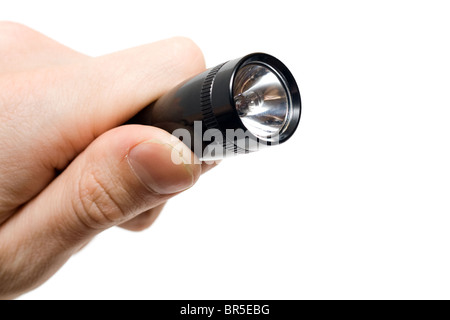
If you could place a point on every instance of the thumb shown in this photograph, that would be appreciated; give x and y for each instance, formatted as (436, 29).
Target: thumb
(124, 172)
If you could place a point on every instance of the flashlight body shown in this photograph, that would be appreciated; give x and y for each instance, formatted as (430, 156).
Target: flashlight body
(180, 108)
(205, 103)
(189, 106)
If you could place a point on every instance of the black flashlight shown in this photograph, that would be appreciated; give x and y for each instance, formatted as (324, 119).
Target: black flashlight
(236, 107)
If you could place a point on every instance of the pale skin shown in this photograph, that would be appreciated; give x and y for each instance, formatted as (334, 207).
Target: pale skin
(69, 170)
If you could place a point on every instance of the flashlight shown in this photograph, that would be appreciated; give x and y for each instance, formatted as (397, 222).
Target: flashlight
(236, 107)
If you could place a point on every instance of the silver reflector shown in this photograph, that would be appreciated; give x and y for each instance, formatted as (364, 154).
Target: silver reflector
(261, 100)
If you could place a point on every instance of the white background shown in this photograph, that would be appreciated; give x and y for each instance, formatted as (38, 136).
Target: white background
(355, 205)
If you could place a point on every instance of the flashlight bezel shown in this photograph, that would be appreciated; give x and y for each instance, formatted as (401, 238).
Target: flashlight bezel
(223, 104)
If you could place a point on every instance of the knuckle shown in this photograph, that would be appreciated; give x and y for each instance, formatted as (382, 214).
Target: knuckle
(98, 204)
(10, 26)
(13, 32)
(185, 44)
(188, 51)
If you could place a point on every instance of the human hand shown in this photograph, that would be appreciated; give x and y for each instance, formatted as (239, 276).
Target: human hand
(68, 171)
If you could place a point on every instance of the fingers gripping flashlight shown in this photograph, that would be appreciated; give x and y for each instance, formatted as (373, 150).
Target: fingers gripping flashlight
(237, 107)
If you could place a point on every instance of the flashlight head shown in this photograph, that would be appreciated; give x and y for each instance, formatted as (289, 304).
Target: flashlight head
(236, 107)
(258, 95)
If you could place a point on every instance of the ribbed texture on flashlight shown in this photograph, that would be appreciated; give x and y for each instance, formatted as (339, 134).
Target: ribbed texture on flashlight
(209, 119)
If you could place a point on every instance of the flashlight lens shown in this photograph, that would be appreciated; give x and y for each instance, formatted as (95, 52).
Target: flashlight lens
(261, 100)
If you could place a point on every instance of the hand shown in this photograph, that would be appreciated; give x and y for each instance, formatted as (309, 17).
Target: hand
(67, 170)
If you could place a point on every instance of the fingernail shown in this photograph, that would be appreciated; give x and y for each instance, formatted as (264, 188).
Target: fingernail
(160, 167)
